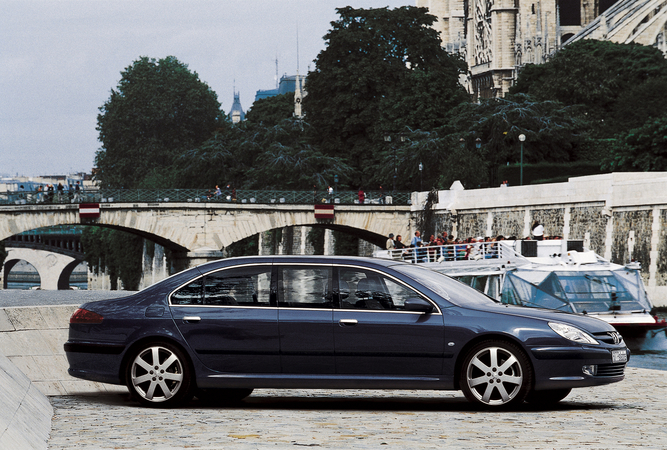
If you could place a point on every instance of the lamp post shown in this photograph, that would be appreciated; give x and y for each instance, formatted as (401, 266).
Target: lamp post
(387, 139)
(522, 137)
(421, 176)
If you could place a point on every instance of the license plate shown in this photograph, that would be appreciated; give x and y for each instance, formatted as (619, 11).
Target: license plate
(619, 356)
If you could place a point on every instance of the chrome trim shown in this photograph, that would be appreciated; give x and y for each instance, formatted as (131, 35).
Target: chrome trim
(567, 378)
(437, 311)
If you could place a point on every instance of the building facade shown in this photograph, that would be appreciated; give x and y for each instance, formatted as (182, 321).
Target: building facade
(497, 37)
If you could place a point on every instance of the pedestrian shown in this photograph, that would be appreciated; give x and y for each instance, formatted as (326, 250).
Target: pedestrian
(416, 239)
(77, 192)
(390, 242)
(361, 196)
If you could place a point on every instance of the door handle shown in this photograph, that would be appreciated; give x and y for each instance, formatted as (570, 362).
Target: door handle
(191, 319)
(347, 322)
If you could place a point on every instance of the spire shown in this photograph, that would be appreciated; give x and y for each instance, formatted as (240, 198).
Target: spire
(298, 96)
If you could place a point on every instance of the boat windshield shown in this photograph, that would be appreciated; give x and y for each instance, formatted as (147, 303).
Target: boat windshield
(596, 291)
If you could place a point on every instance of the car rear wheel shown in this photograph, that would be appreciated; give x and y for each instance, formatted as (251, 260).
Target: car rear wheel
(158, 374)
(547, 397)
(496, 374)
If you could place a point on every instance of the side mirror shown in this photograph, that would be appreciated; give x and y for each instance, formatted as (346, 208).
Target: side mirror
(418, 304)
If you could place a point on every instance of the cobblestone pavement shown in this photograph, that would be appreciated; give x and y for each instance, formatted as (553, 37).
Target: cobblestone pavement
(630, 414)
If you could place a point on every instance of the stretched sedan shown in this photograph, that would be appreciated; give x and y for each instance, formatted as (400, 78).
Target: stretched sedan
(224, 328)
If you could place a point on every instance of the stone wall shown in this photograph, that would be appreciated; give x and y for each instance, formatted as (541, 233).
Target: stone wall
(621, 216)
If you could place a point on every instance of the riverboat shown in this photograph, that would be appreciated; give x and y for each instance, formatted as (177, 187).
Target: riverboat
(554, 274)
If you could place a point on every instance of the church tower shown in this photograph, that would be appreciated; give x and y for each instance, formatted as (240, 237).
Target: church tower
(236, 114)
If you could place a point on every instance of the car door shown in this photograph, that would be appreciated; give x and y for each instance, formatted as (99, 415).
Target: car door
(305, 318)
(230, 319)
(375, 335)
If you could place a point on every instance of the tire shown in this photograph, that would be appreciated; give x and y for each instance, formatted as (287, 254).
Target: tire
(496, 374)
(158, 374)
(549, 397)
(223, 396)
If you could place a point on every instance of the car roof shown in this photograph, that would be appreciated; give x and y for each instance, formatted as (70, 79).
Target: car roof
(296, 259)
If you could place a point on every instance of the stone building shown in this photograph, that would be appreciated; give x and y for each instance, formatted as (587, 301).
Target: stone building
(498, 37)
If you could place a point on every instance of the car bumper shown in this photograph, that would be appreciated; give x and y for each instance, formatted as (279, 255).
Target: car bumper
(571, 367)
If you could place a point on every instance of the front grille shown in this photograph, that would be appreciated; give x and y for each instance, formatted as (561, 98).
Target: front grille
(611, 370)
(609, 337)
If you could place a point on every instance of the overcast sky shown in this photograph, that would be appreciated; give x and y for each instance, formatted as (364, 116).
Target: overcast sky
(59, 59)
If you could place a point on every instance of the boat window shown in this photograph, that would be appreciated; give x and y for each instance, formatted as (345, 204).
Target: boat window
(601, 291)
(518, 291)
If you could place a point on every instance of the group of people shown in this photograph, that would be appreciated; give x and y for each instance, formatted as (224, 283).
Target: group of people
(217, 194)
(450, 247)
(49, 193)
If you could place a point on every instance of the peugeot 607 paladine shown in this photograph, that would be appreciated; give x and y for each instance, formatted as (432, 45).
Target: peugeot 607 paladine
(224, 328)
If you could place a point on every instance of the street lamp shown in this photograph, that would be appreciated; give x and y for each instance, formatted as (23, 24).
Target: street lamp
(522, 137)
(421, 176)
(402, 137)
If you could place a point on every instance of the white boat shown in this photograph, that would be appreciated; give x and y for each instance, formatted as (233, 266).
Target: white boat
(552, 274)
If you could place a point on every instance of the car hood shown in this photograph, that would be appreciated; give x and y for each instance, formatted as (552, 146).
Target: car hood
(587, 323)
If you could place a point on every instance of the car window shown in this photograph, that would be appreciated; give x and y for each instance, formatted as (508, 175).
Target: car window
(190, 294)
(241, 286)
(304, 287)
(365, 289)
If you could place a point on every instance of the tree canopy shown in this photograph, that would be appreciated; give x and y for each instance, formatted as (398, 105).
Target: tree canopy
(159, 110)
(381, 71)
(607, 78)
(271, 111)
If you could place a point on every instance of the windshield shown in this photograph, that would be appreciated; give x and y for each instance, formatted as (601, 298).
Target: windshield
(446, 287)
(577, 291)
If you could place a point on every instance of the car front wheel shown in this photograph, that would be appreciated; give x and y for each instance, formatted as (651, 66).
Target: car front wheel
(496, 374)
(158, 374)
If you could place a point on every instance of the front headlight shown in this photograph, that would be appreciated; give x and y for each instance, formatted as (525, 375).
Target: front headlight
(573, 334)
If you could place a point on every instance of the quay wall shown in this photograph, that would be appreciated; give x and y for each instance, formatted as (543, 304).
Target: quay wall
(621, 216)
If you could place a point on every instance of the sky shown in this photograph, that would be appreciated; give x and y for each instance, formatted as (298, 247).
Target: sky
(59, 60)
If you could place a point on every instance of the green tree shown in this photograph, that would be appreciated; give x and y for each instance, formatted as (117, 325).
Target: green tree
(596, 74)
(116, 252)
(253, 156)
(453, 152)
(640, 149)
(159, 110)
(382, 70)
(271, 111)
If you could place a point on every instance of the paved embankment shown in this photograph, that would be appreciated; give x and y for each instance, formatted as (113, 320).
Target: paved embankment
(32, 337)
(630, 414)
(25, 413)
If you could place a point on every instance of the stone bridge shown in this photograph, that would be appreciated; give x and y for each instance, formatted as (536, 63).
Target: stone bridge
(197, 232)
(54, 268)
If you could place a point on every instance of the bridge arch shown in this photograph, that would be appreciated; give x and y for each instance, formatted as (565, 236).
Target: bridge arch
(54, 269)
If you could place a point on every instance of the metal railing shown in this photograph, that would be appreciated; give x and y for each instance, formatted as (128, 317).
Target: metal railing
(202, 195)
(475, 251)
